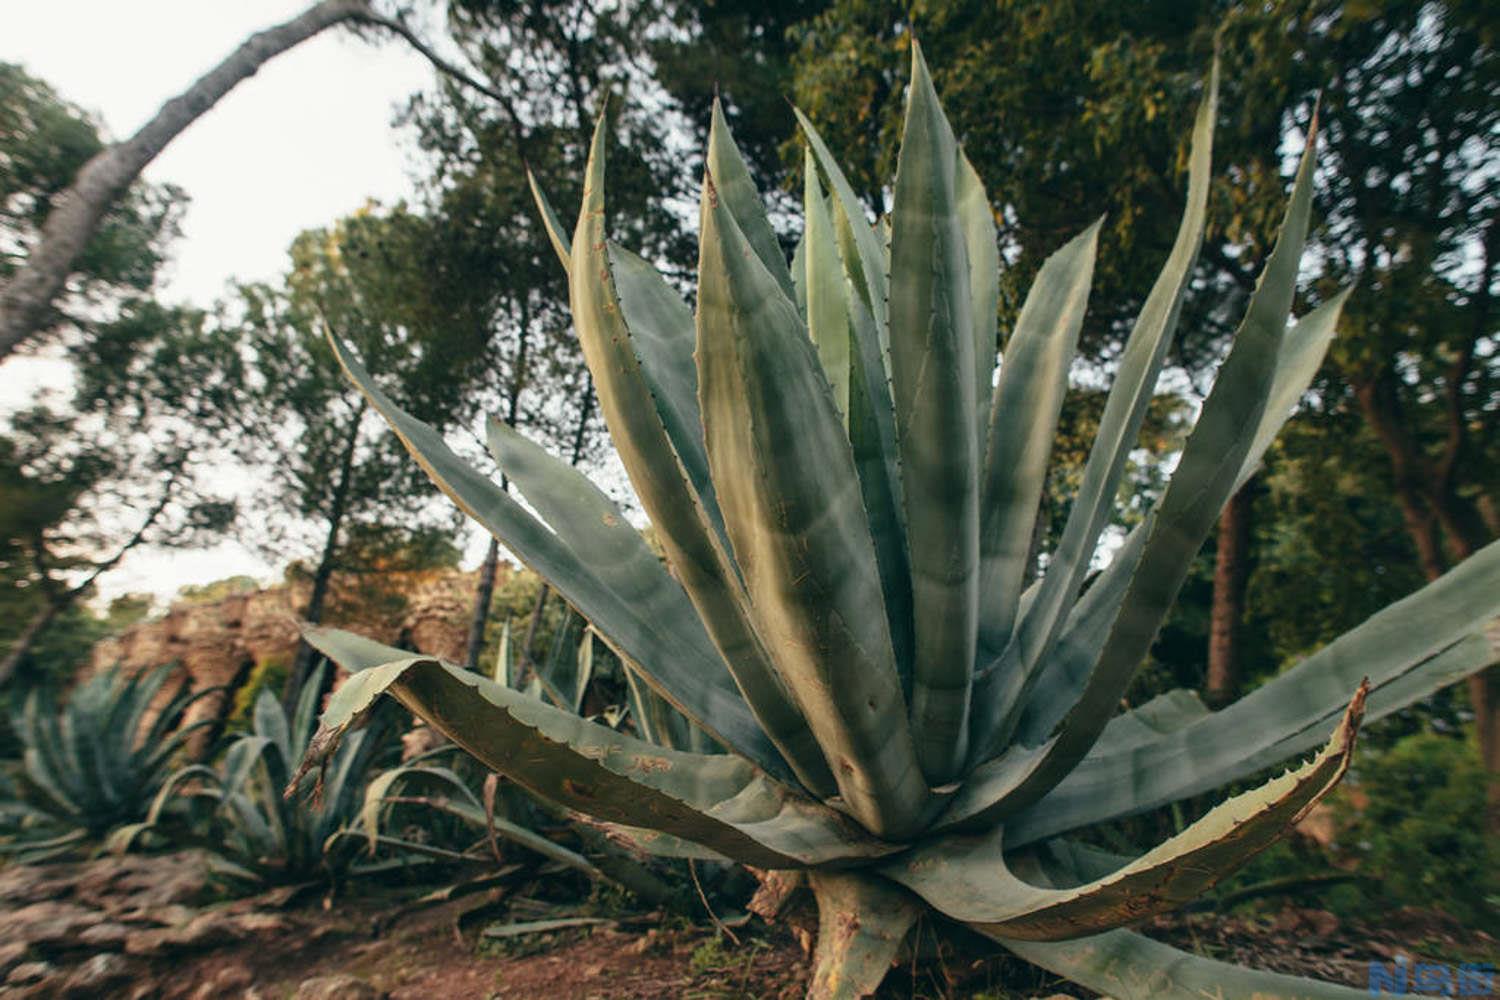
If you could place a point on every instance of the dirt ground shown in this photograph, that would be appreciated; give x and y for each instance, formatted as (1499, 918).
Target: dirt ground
(133, 928)
(650, 957)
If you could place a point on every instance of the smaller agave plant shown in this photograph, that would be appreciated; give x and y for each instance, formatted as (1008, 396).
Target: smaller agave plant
(845, 490)
(237, 809)
(92, 763)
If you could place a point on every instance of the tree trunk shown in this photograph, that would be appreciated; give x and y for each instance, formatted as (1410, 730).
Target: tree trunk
(27, 298)
(1427, 501)
(323, 575)
(484, 596)
(1231, 571)
(28, 637)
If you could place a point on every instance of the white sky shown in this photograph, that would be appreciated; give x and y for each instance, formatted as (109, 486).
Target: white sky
(304, 141)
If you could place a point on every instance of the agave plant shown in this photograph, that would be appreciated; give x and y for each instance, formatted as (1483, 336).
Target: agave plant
(846, 490)
(237, 809)
(92, 764)
(491, 815)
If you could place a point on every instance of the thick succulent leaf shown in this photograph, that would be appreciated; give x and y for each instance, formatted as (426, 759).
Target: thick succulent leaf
(384, 786)
(269, 721)
(1129, 966)
(794, 512)
(594, 527)
(934, 380)
(717, 800)
(1001, 684)
(1206, 477)
(1022, 425)
(737, 192)
(862, 248)
(558, 669)
(658, 844)
(982, 243)
(862, 922)
(843, 328)
(661, 330)
(627, 398)
(1443, 632)
(502, 672)
(1163, 714)
(622, 604)
(827, 297)
(968, 879)
(556, 233)
(1062, 677)
(799, 274)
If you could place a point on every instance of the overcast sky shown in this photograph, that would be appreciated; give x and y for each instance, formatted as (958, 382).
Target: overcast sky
(304, 141)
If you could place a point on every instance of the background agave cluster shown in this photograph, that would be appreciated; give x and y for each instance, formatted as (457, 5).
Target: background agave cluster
(846, 493)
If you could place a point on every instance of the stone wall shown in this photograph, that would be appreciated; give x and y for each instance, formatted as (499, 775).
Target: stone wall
(220, 643)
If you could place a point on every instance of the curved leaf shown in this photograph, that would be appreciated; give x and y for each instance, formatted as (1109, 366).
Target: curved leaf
(742, 200)
(577, 511)
(1205, 479)
(1443, 632)
(1023, 423)
(628, 400)
(717, 800)
(933, 382)
(556, 234)
(629, 617)
(968, 879)
(1129, 966)
(794, 512)
(1001, 685)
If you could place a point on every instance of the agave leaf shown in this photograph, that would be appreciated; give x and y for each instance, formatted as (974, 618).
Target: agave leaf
(1205, 479)
(381, 786)
(933, 381)
(860, 246)
(1061, 679)
(612, 598)
(304, 715)
(661, 845)
(585, 665)
(1130, 966)
(843, 328)
(794, 512)
(1438, 635)
(502, 672)
(982, 243)
(661, 330)
(556, 233)
(270, 721)
(1163, 714)
(1000, 685)
(827, 295)
(718, 800)
(741, 199)
(577, 511)
(968, 879)
(1023, 423)
(862, 922)
(627, 399)
(558, 670)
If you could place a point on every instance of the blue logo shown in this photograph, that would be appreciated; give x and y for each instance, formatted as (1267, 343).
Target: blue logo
(1404, 978)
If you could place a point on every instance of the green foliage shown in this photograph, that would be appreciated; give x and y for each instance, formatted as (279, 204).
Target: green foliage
(844, 493)
(268, 674)
(1419, 834)
(93, 761)
(44, 140)
(241, 812)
